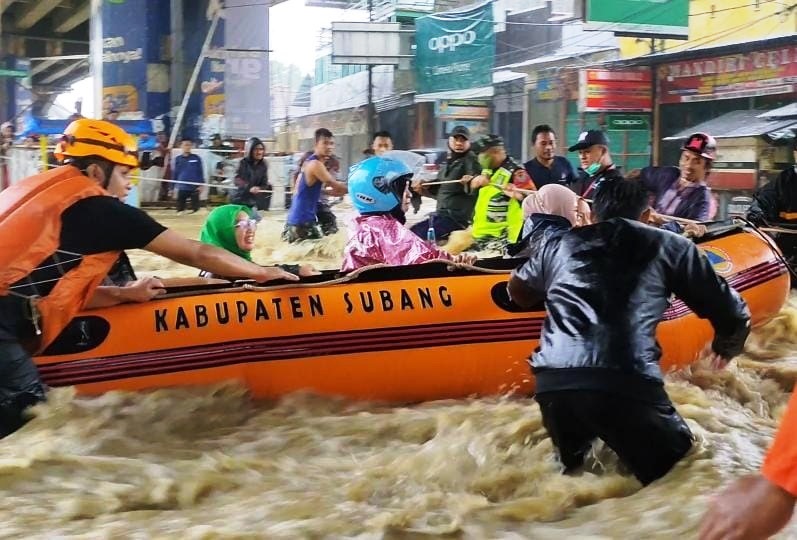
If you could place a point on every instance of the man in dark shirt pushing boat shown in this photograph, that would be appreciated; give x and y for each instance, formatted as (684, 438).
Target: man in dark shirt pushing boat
(606, 287)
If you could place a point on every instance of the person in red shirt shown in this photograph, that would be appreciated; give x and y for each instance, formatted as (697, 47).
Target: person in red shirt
(759, 506)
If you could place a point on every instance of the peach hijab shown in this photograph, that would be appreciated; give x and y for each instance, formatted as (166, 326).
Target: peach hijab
(558, 200)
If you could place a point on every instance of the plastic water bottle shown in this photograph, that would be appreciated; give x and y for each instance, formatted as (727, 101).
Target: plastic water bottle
(431, 239)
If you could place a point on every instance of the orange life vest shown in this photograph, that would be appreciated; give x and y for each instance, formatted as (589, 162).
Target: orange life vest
(30, 232)
(780, 464)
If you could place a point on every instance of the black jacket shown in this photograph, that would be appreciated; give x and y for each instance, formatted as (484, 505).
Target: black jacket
(456, 201)
(250, 173)
(585, 185)
(773, 202)
(606, 287)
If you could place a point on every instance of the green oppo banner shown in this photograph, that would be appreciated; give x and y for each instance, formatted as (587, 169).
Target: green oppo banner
(646, 18)
(455, 50)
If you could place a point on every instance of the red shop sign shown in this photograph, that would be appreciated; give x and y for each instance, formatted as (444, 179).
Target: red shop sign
(627, 90)
(759, 73)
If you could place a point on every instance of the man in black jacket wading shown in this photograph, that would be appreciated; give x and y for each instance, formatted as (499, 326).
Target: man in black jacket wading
(606, 287)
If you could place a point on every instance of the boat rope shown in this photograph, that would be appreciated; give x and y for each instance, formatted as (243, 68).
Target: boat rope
(770, 242)
(347, 278)
(778, 230)
(76, 257)
(281, 189)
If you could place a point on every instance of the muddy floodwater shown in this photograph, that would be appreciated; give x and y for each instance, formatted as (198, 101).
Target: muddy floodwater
(209, 463)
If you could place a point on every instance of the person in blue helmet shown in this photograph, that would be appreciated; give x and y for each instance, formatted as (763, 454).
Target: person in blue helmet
(379, 192)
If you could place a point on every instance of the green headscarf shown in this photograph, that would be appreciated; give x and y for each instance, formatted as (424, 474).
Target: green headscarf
(219, 229)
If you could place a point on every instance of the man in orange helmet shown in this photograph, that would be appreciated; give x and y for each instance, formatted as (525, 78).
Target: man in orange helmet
(60, 233)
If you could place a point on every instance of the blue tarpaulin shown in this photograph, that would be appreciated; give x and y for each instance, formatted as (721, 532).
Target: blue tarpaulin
(45, 126)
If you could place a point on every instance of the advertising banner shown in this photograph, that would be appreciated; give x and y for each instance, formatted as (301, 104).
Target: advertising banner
(246, 76)
(751, 74)
(212, 77)
(124, 67)
(548, 90)
(615, 90)
(460, 109)
(134, 44)
(455, 50)
(645, 18)
(18, 90)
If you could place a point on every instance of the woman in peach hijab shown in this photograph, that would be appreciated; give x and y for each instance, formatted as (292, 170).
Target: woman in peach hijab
(552, 209)
(557, 200)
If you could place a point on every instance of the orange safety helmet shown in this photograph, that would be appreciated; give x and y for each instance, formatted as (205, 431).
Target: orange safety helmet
(97, 138)
(59, 151)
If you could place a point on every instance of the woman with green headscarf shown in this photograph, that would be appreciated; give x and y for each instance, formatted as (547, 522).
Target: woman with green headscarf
(232, 227)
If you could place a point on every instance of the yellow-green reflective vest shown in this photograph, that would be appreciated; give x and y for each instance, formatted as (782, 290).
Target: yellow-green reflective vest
(495, 214)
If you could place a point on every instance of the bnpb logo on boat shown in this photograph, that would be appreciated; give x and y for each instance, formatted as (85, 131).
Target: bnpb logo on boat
(720, 260)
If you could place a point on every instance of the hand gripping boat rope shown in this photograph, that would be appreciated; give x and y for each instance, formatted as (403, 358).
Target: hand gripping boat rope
(351, 276)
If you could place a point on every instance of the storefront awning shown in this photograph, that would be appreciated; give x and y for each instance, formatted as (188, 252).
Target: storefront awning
(789, 111)
(742, 124)
(505, 75)
(484, 92)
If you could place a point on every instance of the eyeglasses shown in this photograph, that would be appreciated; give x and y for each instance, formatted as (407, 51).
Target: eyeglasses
(250, 224)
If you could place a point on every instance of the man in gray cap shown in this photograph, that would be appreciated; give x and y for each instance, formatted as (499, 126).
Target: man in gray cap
(455, 200)
(596, 162)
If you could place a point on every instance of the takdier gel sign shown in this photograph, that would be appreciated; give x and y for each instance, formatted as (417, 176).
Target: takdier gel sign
(455, 50)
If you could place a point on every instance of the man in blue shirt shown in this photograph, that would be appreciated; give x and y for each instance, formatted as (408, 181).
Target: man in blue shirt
(302, 220)
(188, 170)
(546, 167)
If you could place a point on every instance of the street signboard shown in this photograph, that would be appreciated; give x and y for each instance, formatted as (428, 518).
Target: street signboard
(643, 18)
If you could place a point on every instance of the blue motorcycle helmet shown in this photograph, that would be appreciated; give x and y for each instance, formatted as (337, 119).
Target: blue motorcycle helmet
(377, 185)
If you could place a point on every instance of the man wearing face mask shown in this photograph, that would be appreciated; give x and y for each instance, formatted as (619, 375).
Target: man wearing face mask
(455, 200)
(502, 185)
(682, 191)
(596, 162)
(60, 233)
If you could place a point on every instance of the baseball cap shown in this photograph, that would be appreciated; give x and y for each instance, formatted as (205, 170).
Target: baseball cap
(460, 131)
(701, 144)
(488, 141)
(590, 138)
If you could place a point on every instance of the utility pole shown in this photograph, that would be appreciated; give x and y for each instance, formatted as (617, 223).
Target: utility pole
(369, 110)
(192, 81)
(654, 128)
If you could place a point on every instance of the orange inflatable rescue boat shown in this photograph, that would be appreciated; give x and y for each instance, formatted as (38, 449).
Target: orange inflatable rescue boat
(396, 334)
